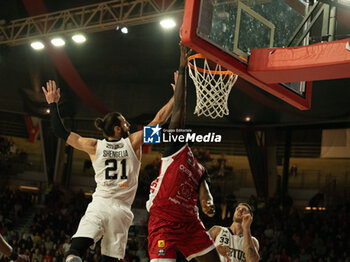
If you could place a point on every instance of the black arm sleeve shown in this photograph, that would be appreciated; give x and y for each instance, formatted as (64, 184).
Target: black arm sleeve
(206, 177)
(56, 122)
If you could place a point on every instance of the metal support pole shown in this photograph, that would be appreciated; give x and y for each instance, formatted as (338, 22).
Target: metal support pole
(332, 23)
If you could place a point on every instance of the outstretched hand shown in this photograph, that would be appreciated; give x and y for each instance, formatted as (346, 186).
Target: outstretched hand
(184, 55)
(52, 94)
(208, 208)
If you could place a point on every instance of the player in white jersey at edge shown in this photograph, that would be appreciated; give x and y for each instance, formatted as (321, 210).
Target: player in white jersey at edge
(235, 243)
(116, 162)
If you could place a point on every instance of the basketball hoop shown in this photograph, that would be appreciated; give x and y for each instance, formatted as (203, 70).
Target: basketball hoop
(212, 86)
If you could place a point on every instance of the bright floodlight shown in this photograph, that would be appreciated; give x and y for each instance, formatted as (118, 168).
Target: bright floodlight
(124, 30)
(79, 38)
(58, 42)
(168, 23)
(247, 118)
(37, 45)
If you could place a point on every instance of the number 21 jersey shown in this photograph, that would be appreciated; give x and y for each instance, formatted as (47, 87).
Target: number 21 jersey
(116, 170)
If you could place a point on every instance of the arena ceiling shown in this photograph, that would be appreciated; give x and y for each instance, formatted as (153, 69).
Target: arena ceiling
(132, 74)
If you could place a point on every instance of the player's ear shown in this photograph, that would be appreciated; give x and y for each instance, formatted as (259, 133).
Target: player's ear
(117, 130)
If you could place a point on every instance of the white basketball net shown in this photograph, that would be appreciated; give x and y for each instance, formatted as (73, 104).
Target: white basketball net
(212, 89)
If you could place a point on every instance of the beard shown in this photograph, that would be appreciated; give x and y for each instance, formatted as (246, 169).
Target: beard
(125, 134)
(237, 219)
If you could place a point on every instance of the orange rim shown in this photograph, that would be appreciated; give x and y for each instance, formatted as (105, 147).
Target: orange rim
(202, 70)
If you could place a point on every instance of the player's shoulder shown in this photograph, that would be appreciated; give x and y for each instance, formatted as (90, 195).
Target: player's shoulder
(255, 240)
(215, 230)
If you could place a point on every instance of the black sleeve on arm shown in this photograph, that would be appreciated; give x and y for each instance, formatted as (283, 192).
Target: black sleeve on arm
(206, 177)
(56, 122)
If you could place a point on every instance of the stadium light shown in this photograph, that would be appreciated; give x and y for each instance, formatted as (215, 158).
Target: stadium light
(168, 23)
(79, 38)
(37, 45)
(58, 42)
(30, 188)
(124, 30)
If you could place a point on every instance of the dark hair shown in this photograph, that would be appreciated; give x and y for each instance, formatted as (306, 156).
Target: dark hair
(250, 208)
(107, 124)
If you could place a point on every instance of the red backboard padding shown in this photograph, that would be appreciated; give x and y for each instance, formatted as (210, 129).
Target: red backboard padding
(190, 38)
(329, 60)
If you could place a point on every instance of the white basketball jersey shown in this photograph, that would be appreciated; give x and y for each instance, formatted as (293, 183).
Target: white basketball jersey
(235, 243)
(116, 170)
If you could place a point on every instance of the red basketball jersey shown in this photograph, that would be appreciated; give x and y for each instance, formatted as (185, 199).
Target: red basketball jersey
(174, 193)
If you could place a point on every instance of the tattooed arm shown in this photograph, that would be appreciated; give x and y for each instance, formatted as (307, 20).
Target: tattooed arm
(250, 244)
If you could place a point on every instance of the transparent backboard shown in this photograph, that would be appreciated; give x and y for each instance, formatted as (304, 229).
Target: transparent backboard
(237, 27)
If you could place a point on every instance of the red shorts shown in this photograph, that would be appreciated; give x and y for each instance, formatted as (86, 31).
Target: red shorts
(165, 237)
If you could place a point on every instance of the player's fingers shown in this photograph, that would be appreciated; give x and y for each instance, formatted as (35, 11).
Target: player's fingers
(48, 85)
(54, 85)
(52, 88)
(59, 91)
(44, 90)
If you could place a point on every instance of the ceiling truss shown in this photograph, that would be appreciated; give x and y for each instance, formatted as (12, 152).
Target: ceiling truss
(90, 18)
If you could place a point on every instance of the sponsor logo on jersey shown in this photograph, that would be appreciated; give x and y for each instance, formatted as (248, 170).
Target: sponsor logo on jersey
(114, 146)
(161, 243)
(161, 252)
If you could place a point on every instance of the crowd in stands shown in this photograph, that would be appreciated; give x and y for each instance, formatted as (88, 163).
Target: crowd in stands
(48, 236)
(292, 234)
(285, 233)
(13, 205)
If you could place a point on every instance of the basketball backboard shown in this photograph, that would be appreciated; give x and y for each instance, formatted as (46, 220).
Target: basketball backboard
(226, 32)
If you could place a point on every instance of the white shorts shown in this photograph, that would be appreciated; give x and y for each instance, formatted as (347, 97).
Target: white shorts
(110, 219)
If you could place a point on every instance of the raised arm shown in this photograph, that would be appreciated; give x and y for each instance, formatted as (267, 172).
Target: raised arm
(52, 95)
(164, 113)
(250, 244)
(161, 117)
(179, 110)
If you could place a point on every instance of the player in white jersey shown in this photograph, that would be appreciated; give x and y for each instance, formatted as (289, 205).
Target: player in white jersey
(116, 161)
(235, 243)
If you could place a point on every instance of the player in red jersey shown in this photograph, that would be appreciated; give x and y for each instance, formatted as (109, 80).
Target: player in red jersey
(174, 222)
